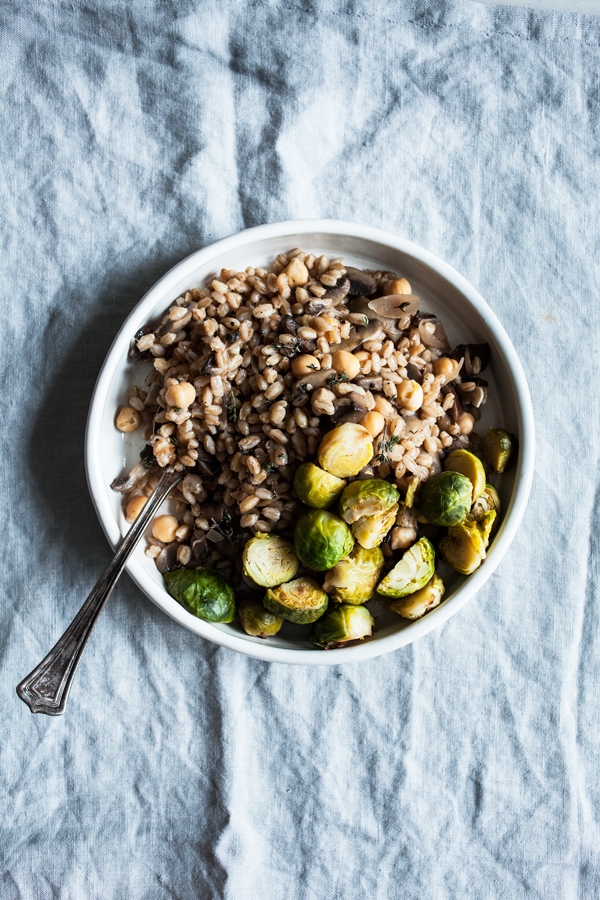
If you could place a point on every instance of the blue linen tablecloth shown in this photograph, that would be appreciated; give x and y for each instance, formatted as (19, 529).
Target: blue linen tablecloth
(467, 764)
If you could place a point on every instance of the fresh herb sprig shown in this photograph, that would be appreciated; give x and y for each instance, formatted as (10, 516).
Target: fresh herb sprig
(232, 410)
(337, 379)
(384, 448)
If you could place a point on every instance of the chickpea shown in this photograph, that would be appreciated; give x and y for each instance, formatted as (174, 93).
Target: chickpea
(465, 423)
(128, 420)
(134, 507)
(164, 528)
(384, 407)
(410, 394)
(342, 361)
(181, 395)
(446, 367)
(402, 538)
(373, 422)
(304, 365)
(399, 286)
(297, 273)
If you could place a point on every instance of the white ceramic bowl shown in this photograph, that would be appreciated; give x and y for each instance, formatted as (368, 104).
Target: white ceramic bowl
(466, 317)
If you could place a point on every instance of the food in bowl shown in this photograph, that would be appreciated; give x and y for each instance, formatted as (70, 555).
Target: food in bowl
(286, 392)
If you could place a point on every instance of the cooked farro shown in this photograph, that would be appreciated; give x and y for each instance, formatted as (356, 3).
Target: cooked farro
(248, 374)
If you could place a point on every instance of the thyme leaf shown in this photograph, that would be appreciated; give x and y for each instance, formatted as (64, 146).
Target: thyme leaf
(384, 448)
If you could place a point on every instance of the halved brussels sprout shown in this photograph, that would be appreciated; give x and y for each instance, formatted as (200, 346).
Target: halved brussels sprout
(486, 524)
(321, 539)
(301, 601)
(488, 501)
(371, 530)
(345, 450)
(371, 497)
(354, 578)
(257, 620)
(463, 549)
(341, 624)
(412, 572)
(416, 605)
(203, 592)
(446, 498)
(411, 490)
(498, 449)
(269, 560)
(316, 487)
(468, 465)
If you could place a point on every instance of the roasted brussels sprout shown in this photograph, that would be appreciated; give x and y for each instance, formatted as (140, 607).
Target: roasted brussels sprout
(468, 465)
(354, 578)
(321, 539)
(345, 450)
(341, 624)
(269, 560)
(203, 592)
(488, 501)
(371, 530)
(316, 487)
(486, 524)
(416, 605)
(258, 621)
(412, 572)
(446, 498)
(301, 601)
(498, 449)
(371, 497)
(411, 491)
(463, 549)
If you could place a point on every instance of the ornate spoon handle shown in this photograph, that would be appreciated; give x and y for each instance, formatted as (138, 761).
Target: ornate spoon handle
(46, 689)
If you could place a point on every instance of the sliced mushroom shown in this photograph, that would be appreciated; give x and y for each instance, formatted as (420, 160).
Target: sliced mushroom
(166, 560)
(311, 382)
(395, 330)
(393, 306)
(288, 325)
(140, 354)
(124, 483)
(335, 295)
(153, 392)
(316, 306)
(414, 373)
(370, 382)
(359, 335)
(213, 511)
(360, 282)
(433, 335)
(459, 443)
(207, 464)
(476, 357)
(147, 457)
(456, 410)
(350, 408)
(474, 391)
(210, 366)
(199, 547)
(392, 328)
(232, 337)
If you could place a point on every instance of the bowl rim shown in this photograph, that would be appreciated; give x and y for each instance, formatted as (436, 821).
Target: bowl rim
(264, 650)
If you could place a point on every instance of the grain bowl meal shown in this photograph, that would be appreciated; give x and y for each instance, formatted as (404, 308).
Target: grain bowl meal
(328, 432)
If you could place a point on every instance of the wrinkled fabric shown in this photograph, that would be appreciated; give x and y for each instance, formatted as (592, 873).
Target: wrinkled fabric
(465, 765)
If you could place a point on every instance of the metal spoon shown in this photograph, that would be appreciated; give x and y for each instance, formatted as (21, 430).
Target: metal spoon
(46, 689)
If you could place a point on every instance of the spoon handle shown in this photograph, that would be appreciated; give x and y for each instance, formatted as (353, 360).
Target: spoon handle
(46, 689)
